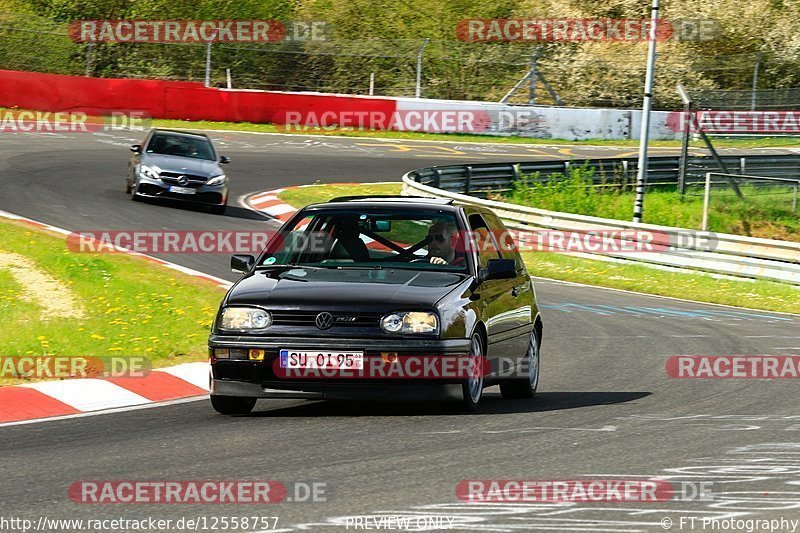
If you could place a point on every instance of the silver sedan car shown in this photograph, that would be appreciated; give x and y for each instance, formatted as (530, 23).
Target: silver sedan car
(178, 165)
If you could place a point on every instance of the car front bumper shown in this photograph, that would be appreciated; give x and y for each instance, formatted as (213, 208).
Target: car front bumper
(257, 379)
(204, 194)
(330, 391)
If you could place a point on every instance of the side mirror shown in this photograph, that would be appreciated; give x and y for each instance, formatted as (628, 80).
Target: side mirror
(136, 148)
(242, 264)
(224, 159)
(499, 269)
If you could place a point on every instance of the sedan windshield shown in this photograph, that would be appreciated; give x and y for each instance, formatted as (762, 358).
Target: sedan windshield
(420, 240)
(181, 146)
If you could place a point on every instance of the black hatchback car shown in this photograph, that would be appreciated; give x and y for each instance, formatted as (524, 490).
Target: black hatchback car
(378, 298)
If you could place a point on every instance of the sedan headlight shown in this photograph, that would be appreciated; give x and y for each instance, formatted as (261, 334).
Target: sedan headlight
(149, 172)
(245, 318)
(410, 322)
(217, 180)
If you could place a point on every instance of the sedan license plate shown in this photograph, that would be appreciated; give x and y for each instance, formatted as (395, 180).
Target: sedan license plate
(182, 190)
(322, 360)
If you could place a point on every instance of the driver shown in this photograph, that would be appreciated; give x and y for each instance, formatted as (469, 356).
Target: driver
(442, 239)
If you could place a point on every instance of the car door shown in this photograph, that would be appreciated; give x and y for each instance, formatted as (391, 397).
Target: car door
(495, 296)
(521, 289)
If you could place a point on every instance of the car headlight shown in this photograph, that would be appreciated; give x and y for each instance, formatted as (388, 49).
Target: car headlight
(410, 322)
(245, 318)
(149, 172)
(217, 180)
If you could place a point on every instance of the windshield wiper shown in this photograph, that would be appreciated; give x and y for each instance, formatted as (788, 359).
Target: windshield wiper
(359, 267)
(287, 265)
(321, 267)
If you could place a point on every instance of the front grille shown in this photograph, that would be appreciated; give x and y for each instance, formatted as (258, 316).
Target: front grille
(308, 318)
(171, 178)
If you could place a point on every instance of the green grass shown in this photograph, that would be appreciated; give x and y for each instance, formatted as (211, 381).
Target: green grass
(769, 216)
(765, 295)
(133, 307)
(303, 196)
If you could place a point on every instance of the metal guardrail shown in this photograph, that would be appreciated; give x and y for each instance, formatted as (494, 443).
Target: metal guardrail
(480, 179)
(733, 255)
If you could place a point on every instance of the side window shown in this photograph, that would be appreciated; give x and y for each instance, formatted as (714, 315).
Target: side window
(483, 240)
(505, 240)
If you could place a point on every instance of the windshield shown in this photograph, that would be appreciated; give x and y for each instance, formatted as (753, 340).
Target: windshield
(181, 146)
(420, 240)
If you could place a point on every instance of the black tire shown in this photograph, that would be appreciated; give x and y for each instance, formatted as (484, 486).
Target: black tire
(472, 389)
(525, 387)
(232, 405)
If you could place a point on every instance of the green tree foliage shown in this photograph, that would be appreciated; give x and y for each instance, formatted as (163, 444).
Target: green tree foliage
(383, 37)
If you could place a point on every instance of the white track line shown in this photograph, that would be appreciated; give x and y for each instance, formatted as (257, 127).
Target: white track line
(751, 309)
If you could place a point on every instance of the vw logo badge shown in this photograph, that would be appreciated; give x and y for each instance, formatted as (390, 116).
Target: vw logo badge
(324, 320)
(183, 180)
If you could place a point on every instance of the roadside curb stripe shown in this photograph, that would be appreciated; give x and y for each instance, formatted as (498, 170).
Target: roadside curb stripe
(268, 203)
(195, 373)
(88, 394)
(46, 399)
(20, 403)
(158, 386)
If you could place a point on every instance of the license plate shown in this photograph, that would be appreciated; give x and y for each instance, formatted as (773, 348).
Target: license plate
(322, 360)
(182, 190)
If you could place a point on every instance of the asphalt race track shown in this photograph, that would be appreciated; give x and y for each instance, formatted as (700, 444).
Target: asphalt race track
(606, 407)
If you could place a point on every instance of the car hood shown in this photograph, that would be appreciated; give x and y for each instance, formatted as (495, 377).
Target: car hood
(171, 163)
(367, 290)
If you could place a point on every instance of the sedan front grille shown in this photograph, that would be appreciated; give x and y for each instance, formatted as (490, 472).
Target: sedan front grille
(172, 178)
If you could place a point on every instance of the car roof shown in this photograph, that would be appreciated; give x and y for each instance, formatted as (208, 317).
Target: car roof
(393, 201)
(180, 132)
